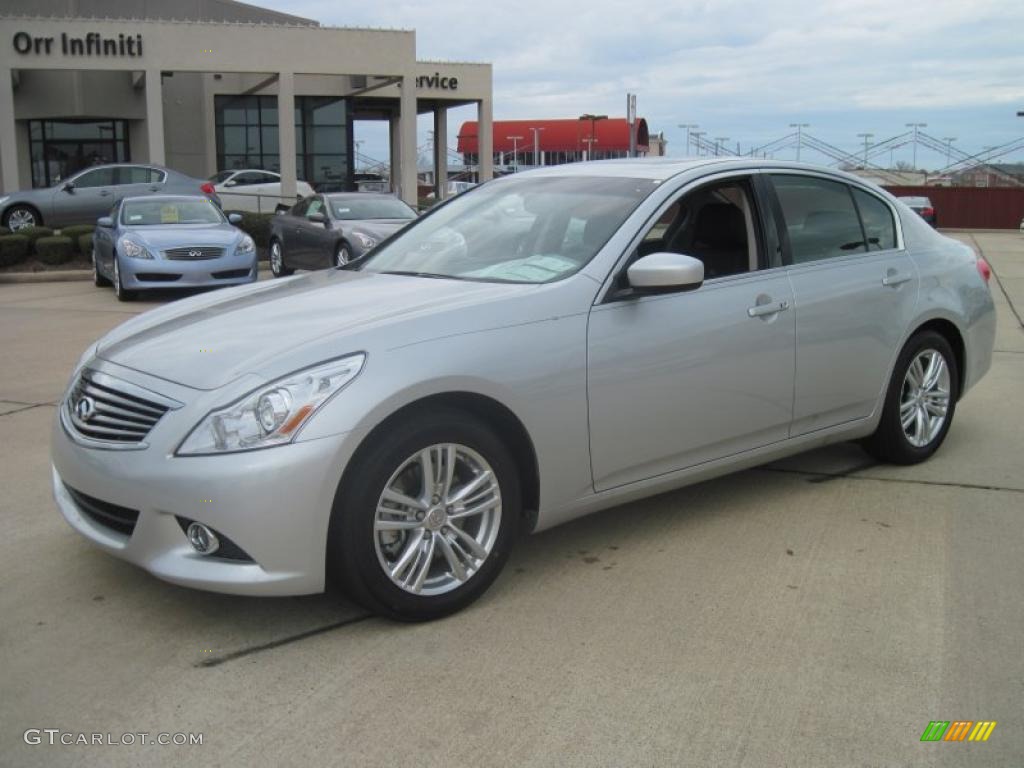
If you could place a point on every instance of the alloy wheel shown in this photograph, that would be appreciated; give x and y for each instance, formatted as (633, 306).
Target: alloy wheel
(275, 258)
(924, 400)
(20, 218)
(437, 519)
(342, 256)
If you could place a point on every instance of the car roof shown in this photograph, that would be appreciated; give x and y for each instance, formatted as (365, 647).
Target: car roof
(163, 198)
(360, 195)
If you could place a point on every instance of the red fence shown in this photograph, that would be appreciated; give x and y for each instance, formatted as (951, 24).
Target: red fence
(972, 207)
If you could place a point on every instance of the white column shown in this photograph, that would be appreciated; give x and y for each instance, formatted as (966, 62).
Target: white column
(485, 138)
(395, 155)
(155, 117)
(441, 152)
(286, 135)
(8, 147)
(407, 141)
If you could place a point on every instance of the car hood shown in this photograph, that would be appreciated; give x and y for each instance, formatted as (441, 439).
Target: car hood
(210, 340)
(378, 229)
(181, 235)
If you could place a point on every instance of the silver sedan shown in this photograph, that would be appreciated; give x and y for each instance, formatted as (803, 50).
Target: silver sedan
(541, 347)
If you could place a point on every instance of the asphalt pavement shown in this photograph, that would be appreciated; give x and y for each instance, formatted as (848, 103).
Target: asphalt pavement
(820, 611)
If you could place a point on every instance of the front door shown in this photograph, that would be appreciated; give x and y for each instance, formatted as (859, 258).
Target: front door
(90, 196)
(855, 292)
(676, 380)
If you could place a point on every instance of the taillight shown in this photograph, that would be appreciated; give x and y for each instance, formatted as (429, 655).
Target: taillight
(983, 269)
(207, 188)
(927, 211)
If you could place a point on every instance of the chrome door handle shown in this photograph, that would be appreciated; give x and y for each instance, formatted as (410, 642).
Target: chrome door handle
(760, 310)
(894, 280)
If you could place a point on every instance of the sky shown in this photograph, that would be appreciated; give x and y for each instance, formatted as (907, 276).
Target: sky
(742, 70)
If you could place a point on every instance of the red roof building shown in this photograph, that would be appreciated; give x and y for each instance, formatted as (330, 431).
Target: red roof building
(560, 141)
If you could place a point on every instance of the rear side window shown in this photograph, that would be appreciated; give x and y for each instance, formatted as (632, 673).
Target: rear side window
(821, 220)
(879, 226)
(136, 174)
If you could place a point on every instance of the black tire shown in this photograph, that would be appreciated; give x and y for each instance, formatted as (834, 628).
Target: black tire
(97, 279)
(22, 213)
(278, 268)
(122, 293)
(889, 441)
(352, 561)
(342, 254)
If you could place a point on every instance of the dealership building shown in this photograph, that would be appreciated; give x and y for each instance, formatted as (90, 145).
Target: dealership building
(201, 86)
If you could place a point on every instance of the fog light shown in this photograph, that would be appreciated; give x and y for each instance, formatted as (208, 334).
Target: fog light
(202, 539)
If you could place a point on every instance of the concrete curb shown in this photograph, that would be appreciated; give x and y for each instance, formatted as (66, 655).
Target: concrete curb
(56, 276)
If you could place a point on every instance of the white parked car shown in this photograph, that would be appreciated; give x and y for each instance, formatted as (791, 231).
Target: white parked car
(255, 190)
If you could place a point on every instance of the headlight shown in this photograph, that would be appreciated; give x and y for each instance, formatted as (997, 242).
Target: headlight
(365, 240)
(135, 250)
(273, 414)
(245, 245)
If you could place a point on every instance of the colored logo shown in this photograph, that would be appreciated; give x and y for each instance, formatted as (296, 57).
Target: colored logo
(958, 730)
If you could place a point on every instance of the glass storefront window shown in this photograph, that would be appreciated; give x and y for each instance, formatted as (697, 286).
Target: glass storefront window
(60, 148)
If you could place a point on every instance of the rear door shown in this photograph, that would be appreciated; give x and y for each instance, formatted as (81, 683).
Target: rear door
(854, 290)
(137, 180)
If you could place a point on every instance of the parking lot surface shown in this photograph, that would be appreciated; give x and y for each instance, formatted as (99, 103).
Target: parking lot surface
(820, 611)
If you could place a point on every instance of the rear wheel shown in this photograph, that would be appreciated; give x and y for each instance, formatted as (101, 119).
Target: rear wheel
(919, 403)
(277, 266)
(97, 279)
(425, 517)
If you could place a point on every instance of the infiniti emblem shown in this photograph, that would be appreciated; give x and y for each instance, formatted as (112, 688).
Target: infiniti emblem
(195, 254)
(85, 408)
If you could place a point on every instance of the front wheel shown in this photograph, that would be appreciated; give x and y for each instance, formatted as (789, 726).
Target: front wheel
(919, 403)
(425, 517)
(97, 279)
(22, 216)
(122, 293)
(277, 266)
(342, 254)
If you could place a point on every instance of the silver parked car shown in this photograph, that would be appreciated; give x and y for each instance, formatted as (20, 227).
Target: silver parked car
(170, 242)
(90, 194)
(331, 230)
(543, 346)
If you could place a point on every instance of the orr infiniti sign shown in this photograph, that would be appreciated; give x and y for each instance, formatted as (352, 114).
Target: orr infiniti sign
(92, 44)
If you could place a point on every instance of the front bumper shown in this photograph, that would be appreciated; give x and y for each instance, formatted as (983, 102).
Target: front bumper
(144, 274)
(275, 503)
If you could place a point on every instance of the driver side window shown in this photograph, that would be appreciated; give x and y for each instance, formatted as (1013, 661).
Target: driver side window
(101, 177)
(717, 224)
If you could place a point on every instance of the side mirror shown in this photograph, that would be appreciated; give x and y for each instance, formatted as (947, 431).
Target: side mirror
(235, 218)
(663, 272)
(105, 221)
(68, 186)
(317, 218)
(230, 183)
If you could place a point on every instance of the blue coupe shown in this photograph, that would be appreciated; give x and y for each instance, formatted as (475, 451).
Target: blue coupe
(170, 241)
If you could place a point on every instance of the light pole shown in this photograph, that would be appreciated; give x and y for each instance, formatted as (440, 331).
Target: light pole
(590, 143)
(696, 139)
(358, 143)
(915, 126)
(799, 136)
(536, 144)
(688, 127)
(718, 143)
(867, 142)
(515, 151)
(949, 147)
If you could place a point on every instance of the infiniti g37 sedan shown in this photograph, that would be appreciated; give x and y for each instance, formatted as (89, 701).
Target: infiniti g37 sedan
(540, 347)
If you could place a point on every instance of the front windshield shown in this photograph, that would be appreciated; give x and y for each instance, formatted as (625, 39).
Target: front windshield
(147, 213)
(532, 229)
(351, 208)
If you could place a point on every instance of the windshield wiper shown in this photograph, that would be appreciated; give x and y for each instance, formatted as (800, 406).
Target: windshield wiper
(409, 273)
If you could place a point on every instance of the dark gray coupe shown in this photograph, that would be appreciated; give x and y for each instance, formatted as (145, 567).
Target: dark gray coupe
(330, 230)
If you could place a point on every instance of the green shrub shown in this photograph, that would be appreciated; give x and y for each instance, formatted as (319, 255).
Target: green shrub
(55, 250)
(256, 226)
(85, 245)
(33, 234)
(4, 231)
(77, 231)
(13, 249)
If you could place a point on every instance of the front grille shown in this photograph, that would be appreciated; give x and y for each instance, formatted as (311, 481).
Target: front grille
(227, 274)
(104, 408)
(194, 253)
(120, 519)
